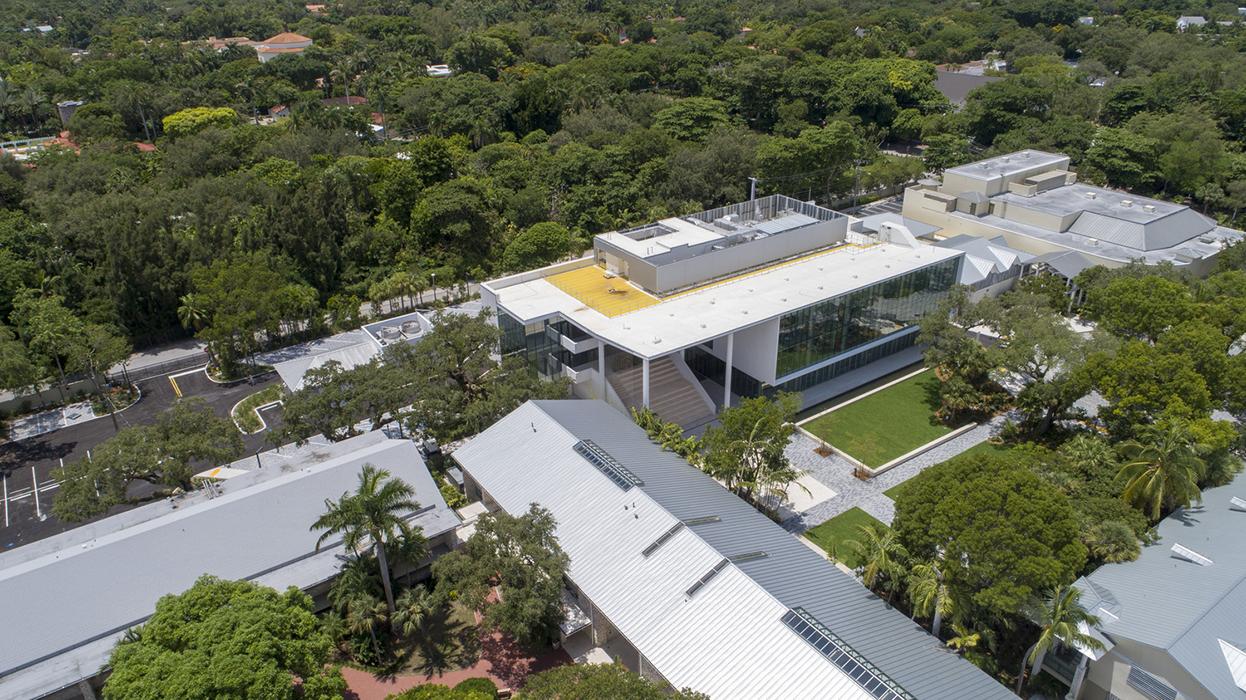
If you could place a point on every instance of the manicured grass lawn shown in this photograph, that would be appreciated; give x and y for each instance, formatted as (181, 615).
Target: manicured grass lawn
(883, 426)
(244, 410)
(983, 447)
(832, 534)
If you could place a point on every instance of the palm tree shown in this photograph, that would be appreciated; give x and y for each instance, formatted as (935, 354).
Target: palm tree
(191, 313)
(883, 556)
(364, 613)
(416, 606)
(1060, 619)
(1163, 472)
(929, 594)
(374, 514)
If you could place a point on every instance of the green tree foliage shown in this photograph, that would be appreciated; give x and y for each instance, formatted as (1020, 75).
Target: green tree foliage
(745, 450)
(165, 455)
(591, 681)
(226, 639)
(196, 119)
(1061, 619)
(522, 558)
(1162, 472)
(538, 245)
(691, 119)
(375, 517)
(1003, 534)
(1139, 307)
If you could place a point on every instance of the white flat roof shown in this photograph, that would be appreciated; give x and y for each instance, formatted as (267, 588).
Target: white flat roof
(1006, 164)
(723, 307)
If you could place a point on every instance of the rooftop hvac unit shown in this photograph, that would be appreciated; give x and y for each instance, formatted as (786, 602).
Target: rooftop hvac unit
(411, 328)
(1127, 202)
(390, 333)
(1237, 503)
(1149, 207)
(1091, 195)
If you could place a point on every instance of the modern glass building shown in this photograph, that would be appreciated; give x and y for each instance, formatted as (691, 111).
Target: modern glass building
(687, 315)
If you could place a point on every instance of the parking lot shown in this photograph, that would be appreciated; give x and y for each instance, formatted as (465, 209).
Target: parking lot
(26, 485)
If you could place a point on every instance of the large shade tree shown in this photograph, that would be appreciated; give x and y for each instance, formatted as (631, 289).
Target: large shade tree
(1162, 470)
(226, 639)
(522, 558)
(1002, 533)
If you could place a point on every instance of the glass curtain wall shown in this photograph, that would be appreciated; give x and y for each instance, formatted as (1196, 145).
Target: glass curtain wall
(816, 333)
(540, 344)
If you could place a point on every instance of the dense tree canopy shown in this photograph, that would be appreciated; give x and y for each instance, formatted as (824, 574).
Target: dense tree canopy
(226, 639)
(1003, 535)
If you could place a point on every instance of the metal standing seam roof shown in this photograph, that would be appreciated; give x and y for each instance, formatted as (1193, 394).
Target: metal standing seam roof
(1183, 608)
(644, 597)
(77, 588)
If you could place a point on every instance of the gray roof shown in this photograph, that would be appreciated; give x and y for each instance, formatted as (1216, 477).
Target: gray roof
(1068, 263)
(790, 572)
(956, 86)
(94, 582)
(1119, 218)
(1168, 602)
(1008, 164)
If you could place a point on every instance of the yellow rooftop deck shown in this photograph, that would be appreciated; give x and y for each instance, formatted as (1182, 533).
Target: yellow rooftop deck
(610, 296)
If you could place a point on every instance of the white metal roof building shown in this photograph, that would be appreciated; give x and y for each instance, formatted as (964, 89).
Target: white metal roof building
(1036, 204)
(69, 598)
(1174, 619)
(774, 293)
(706, 592)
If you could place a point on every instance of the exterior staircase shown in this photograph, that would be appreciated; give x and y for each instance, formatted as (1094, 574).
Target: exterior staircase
(672, 395)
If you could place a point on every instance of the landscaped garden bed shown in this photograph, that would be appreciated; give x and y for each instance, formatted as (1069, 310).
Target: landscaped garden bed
(834, 534)
(244, 413)
(882, 426)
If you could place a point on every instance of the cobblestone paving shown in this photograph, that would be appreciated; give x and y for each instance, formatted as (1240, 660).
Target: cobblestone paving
(836, 473)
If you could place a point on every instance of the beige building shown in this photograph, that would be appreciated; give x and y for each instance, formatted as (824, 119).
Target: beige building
(1034, 202)
(285, 43)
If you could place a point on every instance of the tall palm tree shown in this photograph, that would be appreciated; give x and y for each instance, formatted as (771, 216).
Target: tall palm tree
(883, 557)
(1060, 619)
(1162, 472)
(929, 594)
(374, 515)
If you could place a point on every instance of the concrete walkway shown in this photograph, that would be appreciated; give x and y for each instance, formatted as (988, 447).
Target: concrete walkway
(32, 425)
(836, 474)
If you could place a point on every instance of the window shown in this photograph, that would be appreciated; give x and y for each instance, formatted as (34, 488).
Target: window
(666, 536)
(1149, 685)
(707, 577)
(615, 471)
(815, 333)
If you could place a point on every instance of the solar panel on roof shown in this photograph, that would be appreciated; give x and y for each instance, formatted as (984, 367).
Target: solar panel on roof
(611, 467)
(855, 666)
(707, 577)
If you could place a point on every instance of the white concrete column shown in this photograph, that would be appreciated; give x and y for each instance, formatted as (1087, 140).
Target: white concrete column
(644, 383)
(1079, 676)
(601, 368)
(727, 376)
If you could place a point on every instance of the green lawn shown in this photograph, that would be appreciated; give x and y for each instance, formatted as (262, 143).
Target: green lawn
(832, 534)
(883, 426)
(244, 410)
(981, 448)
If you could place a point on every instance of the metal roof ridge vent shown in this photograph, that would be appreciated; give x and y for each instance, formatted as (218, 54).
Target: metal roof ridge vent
(702, 520)
(1236, 503)
(1190, 555)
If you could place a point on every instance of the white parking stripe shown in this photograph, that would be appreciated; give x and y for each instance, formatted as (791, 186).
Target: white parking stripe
(6, 500)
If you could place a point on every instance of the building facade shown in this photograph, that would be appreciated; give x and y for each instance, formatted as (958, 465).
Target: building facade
(1034, 203)
(686, 584)
(687, 314)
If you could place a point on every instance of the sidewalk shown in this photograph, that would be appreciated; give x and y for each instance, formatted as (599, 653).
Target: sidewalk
(25, 427)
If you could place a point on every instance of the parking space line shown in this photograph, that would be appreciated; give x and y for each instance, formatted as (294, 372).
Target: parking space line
(34, 476)
(6, 500)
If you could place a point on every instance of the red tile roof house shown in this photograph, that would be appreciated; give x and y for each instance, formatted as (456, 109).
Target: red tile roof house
(281, 44)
